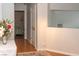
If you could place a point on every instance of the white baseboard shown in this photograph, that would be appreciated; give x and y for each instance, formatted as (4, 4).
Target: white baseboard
(25, 37)
(66, 53)
(40, 49)
(30, 40)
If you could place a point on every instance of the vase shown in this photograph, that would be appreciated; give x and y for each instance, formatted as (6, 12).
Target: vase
(4, 40)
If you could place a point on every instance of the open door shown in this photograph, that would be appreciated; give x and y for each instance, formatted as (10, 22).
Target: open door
(33, 22)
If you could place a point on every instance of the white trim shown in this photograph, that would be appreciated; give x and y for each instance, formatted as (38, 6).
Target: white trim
(43, 49)
(25, 22)
(35, 25)
(31, 23)
(62, 52)
(34, 7)
(30, 41)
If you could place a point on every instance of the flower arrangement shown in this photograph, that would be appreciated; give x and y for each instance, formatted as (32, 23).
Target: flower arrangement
(5, 27)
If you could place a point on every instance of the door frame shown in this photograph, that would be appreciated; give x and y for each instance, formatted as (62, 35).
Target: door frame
(25, 19)
(35, 27)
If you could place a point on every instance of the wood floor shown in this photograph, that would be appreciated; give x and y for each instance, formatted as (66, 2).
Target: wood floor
(25, 46)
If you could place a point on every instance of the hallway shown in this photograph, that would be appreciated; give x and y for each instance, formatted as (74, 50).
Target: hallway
(25, 19)
(23, 45)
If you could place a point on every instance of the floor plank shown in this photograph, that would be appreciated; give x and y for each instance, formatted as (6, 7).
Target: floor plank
(23, 45)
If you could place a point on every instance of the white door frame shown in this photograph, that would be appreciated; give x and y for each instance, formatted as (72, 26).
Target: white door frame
(34, 43)
(25, 22)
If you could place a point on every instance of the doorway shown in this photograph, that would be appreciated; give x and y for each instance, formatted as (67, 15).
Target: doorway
(19, 24)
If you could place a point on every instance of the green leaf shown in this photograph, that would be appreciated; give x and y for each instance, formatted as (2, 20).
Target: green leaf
(9, 20)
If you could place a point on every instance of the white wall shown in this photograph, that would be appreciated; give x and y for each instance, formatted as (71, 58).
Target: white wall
(41, 25)
(0, 11)
(63, 40)
(22, 7)
(8, 12)
(55, 39)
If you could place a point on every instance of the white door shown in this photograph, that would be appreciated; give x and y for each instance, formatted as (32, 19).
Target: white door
(33, 22)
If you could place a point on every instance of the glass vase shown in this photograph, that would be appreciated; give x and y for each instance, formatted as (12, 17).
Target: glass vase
(4, 40)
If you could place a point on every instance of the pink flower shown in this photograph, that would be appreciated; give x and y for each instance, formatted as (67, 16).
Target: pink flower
(9, 26)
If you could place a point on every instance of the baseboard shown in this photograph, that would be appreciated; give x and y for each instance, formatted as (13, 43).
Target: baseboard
(65, 53)
(40, 49)
(25, 37)
(30, 40)
(61, 52)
